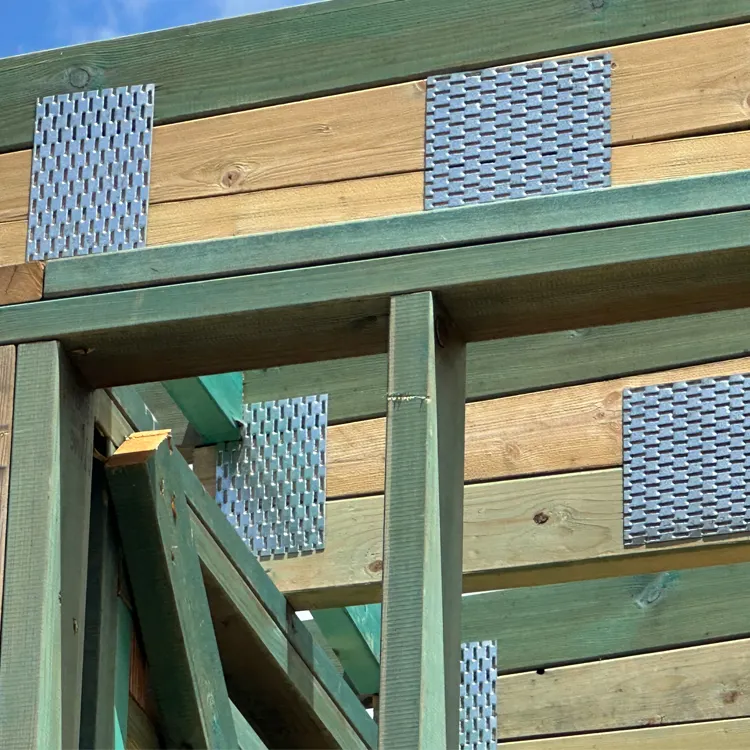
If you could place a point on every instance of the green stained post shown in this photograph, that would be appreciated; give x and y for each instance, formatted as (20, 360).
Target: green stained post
(423, 529)
(213, 404)
(169, 595)
(41, 647)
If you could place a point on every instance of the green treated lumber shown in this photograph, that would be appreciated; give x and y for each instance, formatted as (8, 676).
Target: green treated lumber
(335, 46)
(212, 404)
(354, 635)
(247, 737)
(171, 601)
(210, 516)
(488, 222)
(423, 529)
(598, 277)
(41, 646)
(106, 675)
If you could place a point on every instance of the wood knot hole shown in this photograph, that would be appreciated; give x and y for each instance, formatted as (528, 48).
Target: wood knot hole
(540, 518)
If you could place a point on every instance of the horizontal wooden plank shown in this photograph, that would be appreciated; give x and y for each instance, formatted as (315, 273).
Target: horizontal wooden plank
(672, 687)
(564, 429)
(520, 532)
(543, 626)
(503, 220)
(328, 47)
(528, 286)
(22, 282)
(733, 734)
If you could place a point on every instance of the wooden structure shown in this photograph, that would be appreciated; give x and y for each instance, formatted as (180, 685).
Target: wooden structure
(287, 241)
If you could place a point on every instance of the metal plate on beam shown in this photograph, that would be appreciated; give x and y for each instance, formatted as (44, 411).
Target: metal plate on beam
(517, 131)
(686, 460)
(90, 172)
(271, 485)
(478, 709)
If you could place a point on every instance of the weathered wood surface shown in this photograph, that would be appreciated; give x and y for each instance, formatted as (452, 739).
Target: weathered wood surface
(563, 429)
(346, 44)
(599, 277)
(22, 282)
(169, 595)
(519, 532)
(733, 734)
(7, 389)
(422, 530)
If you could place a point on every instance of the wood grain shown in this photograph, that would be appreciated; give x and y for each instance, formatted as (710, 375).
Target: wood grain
(21, 283)
(733, 734)
(7, 388)
(701, 683)
(563, 429)
(520, 532)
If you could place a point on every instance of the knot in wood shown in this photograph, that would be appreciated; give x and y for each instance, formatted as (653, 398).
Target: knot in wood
(541, 517)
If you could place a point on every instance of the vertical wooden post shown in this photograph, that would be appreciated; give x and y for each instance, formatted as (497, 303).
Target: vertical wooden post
(41, 647)
(7, 382)
(423, 529)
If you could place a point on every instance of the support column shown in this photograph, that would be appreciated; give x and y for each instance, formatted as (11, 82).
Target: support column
(419, 695)
(41, 647)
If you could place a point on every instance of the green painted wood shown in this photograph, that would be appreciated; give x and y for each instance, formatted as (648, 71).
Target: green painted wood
(354, 635)
(357, 385)
(498, 221)
(335, 46)
(495, 290)
(212, 404)
(173, 609)
(106, 668)
(550, 625)
(247, 737)
(41, 645)
(134, 409)
(423, 529)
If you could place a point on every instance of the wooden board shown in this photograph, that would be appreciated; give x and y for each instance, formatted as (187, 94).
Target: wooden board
(733, 734)
(671, 687)
(521, 532)
(21, 283)
(7, 387)
(563, 429)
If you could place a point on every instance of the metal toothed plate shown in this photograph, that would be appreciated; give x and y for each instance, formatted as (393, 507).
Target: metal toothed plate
(517, 131)
(686, 460)
(271, 485)
(90, 172)
(478, 709)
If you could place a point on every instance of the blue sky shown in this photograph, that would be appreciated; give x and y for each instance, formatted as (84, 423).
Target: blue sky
(32, 25)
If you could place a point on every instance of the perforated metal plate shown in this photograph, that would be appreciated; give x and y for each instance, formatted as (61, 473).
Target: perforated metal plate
(686, 460)
(90, 172)
(271, 485)
(517, 131)
(478, 711)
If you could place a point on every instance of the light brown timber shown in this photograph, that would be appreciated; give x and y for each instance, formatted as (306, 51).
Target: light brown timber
(733, 734)
(520, 532)
(563, 429)
(670, 687)
(7, 387)
(22, 282)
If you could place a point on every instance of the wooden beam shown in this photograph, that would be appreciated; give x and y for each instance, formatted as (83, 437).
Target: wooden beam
(501, 220)
(701, 683)
(422, 536)
(354, 635)
(247, 737)
(213, 404)
(733, 734)
(41, 647)
(519, 532)
(642, 271)
(564, 429)
(173, 609)
(22, 282)
(7, 388)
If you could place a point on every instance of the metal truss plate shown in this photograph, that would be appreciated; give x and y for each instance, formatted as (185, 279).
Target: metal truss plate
(686, 460)
(517, 131)
(271, 485)
(90, 172)
(478, 710)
